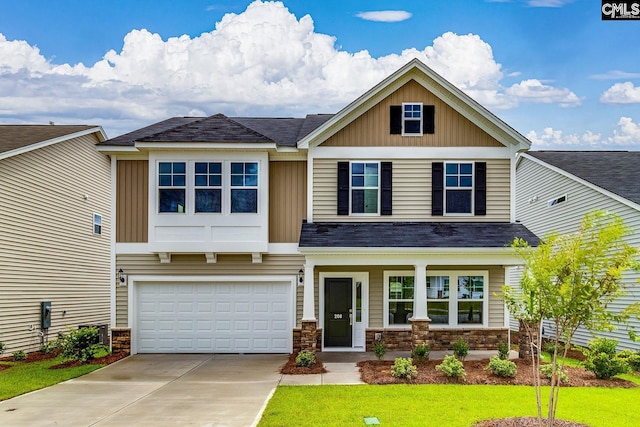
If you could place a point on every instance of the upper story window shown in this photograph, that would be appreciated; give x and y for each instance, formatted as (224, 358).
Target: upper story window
(458, 188)
(208, 187)
(172, 185)
(412, 119)
(365, 187)
(97, 223)
(244, 187)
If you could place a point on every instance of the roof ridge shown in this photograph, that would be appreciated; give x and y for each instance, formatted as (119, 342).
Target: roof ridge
(255, 132)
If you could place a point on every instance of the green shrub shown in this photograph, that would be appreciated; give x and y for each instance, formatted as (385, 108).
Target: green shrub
(602, 360)
(404, 368)
(460, 349)
(49, 347)
(502, 367)
(379, 350)
(82, 344)
(547, 371)
(19, 355)
(503, 350)
(305, 359)
(452, 367)
(421, 352)
(632, 358)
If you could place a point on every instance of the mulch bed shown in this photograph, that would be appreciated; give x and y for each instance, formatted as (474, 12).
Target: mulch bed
(525, 422)
(290, 368)
(379, 372)
(37, 356)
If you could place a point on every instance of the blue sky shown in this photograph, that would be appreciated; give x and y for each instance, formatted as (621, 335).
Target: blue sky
(552, 69)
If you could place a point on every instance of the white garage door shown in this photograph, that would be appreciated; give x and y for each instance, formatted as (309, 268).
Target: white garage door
(213, 318)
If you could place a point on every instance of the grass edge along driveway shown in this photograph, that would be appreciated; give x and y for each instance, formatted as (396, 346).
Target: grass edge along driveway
(442, 405)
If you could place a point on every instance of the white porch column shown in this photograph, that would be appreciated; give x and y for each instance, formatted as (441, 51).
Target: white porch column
(420, 292)
(309, 302)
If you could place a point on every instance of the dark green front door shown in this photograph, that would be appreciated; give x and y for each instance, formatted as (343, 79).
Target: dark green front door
(337, 312)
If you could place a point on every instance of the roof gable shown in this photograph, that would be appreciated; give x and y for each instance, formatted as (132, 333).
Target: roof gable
(613, 171)
(435, 84)
(16, 139)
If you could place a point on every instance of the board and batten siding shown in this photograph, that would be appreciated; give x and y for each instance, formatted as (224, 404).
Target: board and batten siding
(196, 265)
(48, 251)
(536, 185)
(372, 128)
(132, 201)
(287, 200)
(411, 192)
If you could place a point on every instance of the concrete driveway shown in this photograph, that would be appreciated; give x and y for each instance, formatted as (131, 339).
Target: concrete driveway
(155, 389)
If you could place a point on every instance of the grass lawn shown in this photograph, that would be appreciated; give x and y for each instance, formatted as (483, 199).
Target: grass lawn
(442, 405)
(25, 377)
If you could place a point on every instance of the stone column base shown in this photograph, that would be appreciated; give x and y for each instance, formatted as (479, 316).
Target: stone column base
(309, 336)
(527, 332)
(121, 340)
(419, 332)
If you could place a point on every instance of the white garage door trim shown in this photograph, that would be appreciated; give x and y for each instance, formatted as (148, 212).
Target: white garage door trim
(134, 281)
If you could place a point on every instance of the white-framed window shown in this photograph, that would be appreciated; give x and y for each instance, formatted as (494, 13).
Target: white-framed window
(365, 188)
(454, 298)
(97, 223)
(399, 298)
(207, 187)
(458, 188)
(412, 116)
(244, 187)
(172, 187)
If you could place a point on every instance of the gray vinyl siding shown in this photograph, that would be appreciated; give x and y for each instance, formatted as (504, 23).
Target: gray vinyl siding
(48, 251)
(536, 185)
(196, 265)
(411, 192)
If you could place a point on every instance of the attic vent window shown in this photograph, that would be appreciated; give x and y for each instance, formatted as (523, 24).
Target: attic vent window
(557, 200)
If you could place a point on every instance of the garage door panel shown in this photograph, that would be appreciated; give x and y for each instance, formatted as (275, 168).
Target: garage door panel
(213, 317)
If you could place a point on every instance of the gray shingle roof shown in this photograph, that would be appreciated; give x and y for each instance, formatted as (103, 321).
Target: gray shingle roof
(413, 235)
(615, 171)
(285, 132)
(13, 137)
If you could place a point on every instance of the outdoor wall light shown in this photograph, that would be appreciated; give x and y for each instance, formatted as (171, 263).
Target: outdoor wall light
(122, 278)
(300, 277)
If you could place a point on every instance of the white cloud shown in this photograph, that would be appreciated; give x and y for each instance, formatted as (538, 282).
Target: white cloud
(533, 90)
(385, 15)
(548, 3)
(625, 136)
(621, 93)
(615, 75)
(263, 61)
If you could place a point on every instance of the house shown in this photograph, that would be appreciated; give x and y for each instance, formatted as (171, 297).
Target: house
(555, 189)
(55, 228)
(390, 220)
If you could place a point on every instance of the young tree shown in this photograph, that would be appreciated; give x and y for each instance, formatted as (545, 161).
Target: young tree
(571, 280)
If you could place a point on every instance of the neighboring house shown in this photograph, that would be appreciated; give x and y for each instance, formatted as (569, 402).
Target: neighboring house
(389, 220)
(55, 230)
(555, 189)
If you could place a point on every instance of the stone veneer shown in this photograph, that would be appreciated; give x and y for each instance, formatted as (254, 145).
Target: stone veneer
(438, 339)
(524, 331)
(121, 340)
(308, 337)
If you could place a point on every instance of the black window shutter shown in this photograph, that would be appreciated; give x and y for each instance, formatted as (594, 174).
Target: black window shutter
(395, 119)
(343, 188)
(480, 188)
(437, 188)
(429, 119)
(386, 195)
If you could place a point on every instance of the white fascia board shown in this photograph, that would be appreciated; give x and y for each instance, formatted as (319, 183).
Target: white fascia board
(204, 146)
(412, 152)
(594, 187)
(112, 149)
(411, 256)
(98, 130)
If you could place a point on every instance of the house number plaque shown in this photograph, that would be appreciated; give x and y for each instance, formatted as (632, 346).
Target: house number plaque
(337, 316)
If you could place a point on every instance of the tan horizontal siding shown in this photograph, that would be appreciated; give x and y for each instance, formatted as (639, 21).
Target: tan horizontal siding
(451, 128)
(48, 250)
(195, 265)
(411, 192)
(132, 201)
(287, 200)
